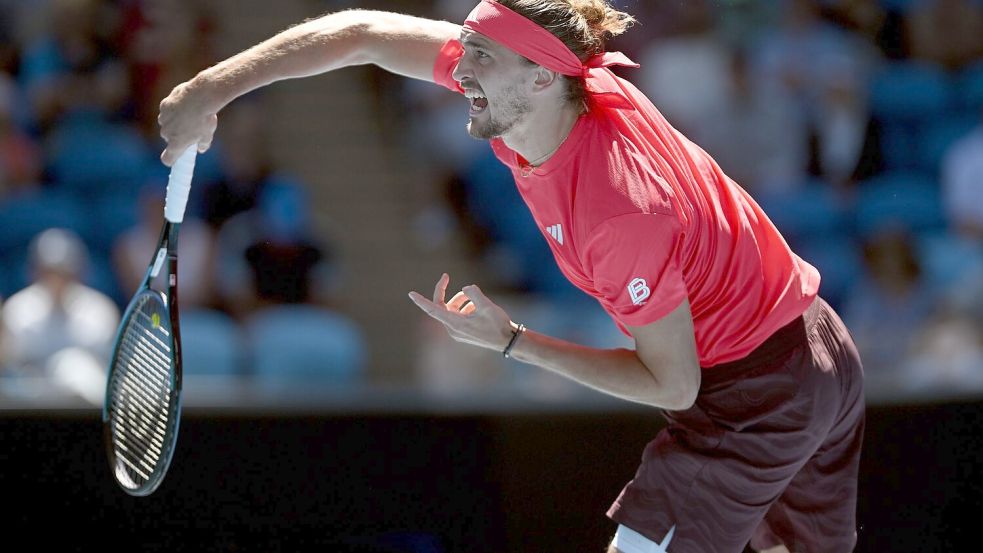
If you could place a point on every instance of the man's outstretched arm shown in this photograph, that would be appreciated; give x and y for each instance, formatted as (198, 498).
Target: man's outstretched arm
(663, 371)
(402, 44)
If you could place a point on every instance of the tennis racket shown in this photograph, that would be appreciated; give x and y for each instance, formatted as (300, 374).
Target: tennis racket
(142, 409)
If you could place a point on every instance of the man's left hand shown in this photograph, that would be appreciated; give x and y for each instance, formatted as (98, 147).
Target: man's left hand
(470, 317)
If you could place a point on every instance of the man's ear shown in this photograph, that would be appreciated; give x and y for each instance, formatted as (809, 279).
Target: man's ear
(545, 78)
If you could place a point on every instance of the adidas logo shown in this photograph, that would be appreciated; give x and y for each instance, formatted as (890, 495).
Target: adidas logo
(556, 231)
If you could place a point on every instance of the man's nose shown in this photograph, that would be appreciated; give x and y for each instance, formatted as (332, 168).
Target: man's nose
(461, 71)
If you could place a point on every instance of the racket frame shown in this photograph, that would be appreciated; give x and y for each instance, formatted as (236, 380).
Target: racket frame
(164, 253)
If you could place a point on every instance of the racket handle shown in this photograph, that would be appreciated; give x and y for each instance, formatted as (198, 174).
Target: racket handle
(179, 185)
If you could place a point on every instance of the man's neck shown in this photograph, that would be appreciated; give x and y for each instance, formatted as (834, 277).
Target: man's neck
(542, 133)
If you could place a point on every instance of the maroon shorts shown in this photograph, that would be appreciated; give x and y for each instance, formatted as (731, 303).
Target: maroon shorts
(768, 454)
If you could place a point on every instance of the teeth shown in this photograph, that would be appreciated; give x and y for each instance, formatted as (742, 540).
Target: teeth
(472, 94)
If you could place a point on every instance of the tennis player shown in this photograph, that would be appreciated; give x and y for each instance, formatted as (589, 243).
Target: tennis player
(757, 377)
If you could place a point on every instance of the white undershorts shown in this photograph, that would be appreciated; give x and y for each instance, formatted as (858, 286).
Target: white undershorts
(627, 540)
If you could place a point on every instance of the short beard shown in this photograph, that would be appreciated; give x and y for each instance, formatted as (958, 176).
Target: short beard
(487, 131)
(513, 112)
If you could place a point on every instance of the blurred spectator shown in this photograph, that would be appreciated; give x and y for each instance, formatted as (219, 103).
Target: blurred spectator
(20, 157)
(432, 132)
(243, 146)
(73, 60)
(58, 328)
(824, 68)
(757, 136)
(868, 18)
(665, 20)
(268, 256)
(692, 53)
(946, 32)
(842, 152)
(803, 53)
(163, 42)
(9, 53)
(81, 92)
(947, 354)
(886, 309)
(962, 185)
(134, 249)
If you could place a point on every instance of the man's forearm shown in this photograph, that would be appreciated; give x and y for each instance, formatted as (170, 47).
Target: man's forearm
(662, 371)
(311, 48)
(403, 44)
(616, 372)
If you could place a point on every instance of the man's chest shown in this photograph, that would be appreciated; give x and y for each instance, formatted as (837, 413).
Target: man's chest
(566, 240)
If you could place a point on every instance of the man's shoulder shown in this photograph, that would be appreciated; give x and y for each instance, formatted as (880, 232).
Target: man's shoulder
(621, 178)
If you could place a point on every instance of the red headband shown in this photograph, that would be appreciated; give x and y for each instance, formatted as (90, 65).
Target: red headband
(540, 46)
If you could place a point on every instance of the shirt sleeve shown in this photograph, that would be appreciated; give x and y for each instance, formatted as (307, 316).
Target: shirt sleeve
(443, 67)
(636, 268)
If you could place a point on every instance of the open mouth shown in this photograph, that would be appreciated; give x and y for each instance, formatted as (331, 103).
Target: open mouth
(478, 101)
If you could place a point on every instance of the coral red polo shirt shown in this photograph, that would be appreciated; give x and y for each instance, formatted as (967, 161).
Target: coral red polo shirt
(640, 218)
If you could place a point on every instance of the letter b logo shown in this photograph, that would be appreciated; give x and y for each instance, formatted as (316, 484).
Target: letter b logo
(639, 291)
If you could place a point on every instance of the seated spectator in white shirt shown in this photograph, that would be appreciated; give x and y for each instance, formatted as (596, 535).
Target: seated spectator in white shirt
(57, 328)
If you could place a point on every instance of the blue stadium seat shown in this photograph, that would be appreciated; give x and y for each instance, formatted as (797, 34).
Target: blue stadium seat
(15, 274)
(970, 89)
(305, 343)
(92, 157)
(939, 136)
(899, 145)
(903, 199)
(911, 92)
(108, 218)
(212, 343)
(837, 257)
(946, 259)
(814, 210)
(99, 274)
(901, 6)
(23, 218)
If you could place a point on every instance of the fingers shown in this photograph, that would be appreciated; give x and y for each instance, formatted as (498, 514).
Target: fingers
(458, 301)
(205, 142)
(464, 303)
(467, 300)
(183, 123)
(437, 311)
(477, 297)
(171, 153)
(441, 288)
(176, 147)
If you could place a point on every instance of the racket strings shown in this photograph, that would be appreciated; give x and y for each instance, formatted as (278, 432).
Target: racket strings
(142, 392)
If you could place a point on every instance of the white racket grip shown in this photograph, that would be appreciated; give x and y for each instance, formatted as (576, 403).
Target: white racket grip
(179, 185)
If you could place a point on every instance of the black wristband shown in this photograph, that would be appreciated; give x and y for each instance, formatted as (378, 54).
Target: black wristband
(515, 336)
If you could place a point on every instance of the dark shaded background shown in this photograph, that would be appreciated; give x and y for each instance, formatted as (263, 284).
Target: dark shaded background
(467, 483)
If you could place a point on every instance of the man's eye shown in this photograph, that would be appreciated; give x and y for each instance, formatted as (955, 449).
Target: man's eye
(480, 54)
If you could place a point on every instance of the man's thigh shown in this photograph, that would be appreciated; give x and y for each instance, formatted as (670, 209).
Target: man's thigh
(718, 467)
